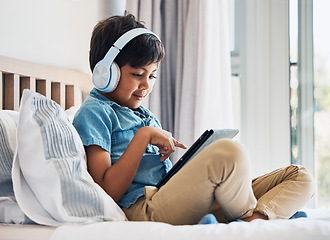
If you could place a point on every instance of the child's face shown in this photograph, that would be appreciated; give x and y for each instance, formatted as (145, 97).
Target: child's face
(134, 86)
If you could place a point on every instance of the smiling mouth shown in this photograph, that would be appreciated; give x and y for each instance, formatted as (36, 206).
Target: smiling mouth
(139, 97)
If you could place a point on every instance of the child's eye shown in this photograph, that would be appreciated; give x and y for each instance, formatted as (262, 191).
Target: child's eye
(137, 75)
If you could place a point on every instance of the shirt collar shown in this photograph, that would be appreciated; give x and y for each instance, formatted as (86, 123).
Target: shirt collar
(95, 93)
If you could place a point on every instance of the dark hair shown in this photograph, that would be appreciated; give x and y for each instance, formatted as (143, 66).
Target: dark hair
(140, 51)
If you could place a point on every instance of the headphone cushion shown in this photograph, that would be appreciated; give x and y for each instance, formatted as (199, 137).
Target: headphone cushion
(114, 77)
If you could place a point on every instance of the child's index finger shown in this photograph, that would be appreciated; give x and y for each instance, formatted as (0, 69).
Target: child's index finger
(178, 144)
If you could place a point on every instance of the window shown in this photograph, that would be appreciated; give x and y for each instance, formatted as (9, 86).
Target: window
(237, 9)
(310, 91)
(322, 100)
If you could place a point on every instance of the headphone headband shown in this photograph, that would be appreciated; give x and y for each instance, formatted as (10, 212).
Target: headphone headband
(103, 70)
(123, 40)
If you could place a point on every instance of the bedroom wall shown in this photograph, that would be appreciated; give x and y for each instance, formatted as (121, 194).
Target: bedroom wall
(54, 33)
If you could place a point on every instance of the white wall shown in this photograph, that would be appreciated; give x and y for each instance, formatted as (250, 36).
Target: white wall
(111, 7)
(55, 33)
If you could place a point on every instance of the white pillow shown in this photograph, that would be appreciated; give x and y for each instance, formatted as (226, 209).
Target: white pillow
(70, 112)
(50, 179)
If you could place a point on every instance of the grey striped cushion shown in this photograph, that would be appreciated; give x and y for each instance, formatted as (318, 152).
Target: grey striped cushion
(7, 148)
(9, 209)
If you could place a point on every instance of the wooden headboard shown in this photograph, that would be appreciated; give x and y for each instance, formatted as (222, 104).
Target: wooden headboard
(66, 87)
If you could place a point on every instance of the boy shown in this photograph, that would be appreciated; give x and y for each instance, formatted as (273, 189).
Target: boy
(127, 151)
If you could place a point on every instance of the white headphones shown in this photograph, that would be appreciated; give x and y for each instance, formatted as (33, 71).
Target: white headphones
(106, 73)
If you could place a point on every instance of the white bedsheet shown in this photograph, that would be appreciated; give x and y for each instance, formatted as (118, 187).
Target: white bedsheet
(317, 226)
(25, 232)
(258, 229)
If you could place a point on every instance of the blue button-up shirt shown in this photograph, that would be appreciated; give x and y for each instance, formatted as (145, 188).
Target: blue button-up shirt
(102, 122)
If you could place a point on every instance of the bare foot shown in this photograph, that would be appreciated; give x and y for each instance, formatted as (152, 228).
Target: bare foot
(255, 215)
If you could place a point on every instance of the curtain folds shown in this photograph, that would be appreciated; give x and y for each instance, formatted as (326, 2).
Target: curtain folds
(148, 11)
(194, 89)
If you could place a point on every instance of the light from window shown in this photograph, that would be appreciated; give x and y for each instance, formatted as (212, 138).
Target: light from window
(322, 100)
(294, 79)
(321, 92)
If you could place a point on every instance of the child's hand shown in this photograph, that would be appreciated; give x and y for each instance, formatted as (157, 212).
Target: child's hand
(164, 141)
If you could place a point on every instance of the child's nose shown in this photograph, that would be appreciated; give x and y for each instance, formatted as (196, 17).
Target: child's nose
(145, 84)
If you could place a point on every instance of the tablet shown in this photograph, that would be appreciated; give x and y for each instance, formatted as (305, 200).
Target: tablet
(208, 137)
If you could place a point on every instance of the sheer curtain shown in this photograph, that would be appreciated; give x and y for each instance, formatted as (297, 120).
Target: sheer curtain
(148, 11)
(194, 91)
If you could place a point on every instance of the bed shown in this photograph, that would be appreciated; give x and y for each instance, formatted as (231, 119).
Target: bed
(46, 191)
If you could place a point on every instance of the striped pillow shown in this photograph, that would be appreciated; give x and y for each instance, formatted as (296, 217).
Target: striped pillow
(9, 209)
(7, 149)
(50, 177)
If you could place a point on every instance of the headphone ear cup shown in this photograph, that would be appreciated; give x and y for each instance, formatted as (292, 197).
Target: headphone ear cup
(105, 78)
(114, 77)
(101, 75)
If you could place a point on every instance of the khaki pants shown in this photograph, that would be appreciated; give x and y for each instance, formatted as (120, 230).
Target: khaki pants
(218, 180)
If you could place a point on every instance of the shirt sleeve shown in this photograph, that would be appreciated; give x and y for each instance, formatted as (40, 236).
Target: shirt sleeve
(94, 126)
